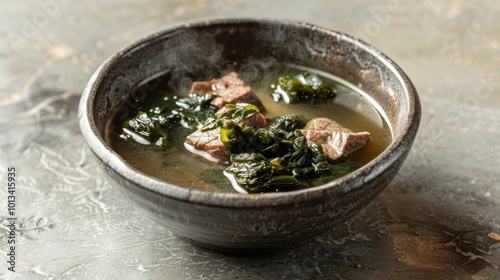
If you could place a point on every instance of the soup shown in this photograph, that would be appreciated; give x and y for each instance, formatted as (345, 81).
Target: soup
(350, 107)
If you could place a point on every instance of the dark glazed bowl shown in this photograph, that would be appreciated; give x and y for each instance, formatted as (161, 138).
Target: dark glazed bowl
(236, 223)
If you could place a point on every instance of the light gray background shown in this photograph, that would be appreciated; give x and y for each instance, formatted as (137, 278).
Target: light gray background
(439, 218)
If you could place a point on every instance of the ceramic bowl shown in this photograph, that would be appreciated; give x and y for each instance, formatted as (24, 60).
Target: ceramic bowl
(237, 223)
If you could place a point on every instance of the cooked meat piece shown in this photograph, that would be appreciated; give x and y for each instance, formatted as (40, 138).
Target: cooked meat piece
(325, 124)
(229, 89)
(208, 142)
(337, 141)
(258, 120)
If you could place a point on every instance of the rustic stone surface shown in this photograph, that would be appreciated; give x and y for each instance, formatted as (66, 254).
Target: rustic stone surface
(438, 218)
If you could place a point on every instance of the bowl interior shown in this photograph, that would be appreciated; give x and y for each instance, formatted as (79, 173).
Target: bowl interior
(206, 50)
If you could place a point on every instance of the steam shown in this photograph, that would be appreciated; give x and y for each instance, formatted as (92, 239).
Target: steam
(194, 55)
(256, 53)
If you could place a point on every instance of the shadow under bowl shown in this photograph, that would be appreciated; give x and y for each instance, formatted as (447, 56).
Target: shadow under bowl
(249, 224)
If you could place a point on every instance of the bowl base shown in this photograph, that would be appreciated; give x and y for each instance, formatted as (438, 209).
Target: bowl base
(247, 251)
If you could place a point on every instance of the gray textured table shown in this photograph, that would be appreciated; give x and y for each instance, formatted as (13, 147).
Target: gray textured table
(439, 218)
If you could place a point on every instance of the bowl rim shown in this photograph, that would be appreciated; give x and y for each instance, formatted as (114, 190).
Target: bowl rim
(347, 183)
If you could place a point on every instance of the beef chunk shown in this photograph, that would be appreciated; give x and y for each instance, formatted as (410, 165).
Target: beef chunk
(337, 141)
(229, 89)
(325, 124)
(208, 144)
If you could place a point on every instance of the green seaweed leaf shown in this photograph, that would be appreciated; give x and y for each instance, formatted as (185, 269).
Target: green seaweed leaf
(170, 115)
(303, 87)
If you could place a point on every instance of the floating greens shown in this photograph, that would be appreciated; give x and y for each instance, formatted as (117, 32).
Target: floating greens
(273, 158)
(231, 112)
(304, 87)
(171, 115)
(277, 157)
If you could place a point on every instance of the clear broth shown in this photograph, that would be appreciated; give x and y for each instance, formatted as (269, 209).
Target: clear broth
(180, 167)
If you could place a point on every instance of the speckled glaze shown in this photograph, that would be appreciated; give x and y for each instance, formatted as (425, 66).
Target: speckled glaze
(250, 224)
